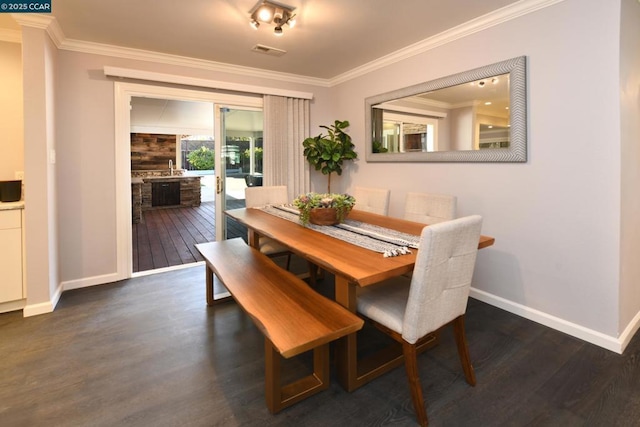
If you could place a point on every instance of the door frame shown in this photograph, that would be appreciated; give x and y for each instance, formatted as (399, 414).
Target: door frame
(123, 92)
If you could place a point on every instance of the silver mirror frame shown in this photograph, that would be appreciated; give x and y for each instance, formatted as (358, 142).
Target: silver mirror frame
(517, 150)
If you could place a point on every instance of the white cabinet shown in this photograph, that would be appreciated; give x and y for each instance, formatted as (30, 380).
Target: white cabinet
(10, 255)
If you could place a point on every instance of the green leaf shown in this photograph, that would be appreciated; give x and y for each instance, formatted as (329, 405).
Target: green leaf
(327, 152)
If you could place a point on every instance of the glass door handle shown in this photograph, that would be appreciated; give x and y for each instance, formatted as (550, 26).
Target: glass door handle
(219, 185)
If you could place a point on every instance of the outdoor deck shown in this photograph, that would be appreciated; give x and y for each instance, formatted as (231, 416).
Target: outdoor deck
(167, 237)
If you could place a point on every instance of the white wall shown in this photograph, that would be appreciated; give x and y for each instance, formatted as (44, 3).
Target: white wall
(630, 137)
(86, 156)
(556, 218)
(41, 214)
(11, 111)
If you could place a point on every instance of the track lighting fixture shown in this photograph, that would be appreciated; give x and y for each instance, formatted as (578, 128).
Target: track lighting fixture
(272, 13)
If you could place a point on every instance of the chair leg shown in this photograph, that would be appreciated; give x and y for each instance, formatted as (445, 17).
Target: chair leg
(411, 367)
(288, 260)
(463, 350)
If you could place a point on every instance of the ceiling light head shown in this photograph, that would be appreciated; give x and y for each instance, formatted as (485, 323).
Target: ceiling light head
(481, 83)
(278, 15)
(254, 24)
(277, 31)
(292, 21)
(265, 13)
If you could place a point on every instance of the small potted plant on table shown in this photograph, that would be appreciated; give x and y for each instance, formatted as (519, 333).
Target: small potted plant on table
(324, 209)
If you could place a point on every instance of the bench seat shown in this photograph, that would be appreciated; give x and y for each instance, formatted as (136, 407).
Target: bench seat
(292, 316)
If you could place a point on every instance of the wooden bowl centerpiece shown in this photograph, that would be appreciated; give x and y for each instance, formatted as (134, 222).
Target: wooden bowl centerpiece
(324, 208)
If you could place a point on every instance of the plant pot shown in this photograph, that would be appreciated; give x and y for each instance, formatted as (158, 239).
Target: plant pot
(324, 216)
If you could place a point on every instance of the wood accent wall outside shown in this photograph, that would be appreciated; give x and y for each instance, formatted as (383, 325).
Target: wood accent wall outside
(152, 151)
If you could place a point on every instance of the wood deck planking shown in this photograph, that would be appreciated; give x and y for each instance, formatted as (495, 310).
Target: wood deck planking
(167, 237)
(134, 248)
(201, 228)
(142, 250)
(187, 235)
(181, 247)
(155, 241)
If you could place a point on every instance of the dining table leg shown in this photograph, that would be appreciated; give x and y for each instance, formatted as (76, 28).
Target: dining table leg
(346, 347)
(254, 239)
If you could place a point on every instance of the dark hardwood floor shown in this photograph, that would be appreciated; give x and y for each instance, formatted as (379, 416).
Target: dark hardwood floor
(149, 352)
(167, 237)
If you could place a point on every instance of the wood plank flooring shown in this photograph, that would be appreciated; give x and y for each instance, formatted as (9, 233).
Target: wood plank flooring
(149, 352)
(167, 237)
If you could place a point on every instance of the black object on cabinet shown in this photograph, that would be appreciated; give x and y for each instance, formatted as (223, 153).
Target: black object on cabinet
(165, 193)
(10, 191)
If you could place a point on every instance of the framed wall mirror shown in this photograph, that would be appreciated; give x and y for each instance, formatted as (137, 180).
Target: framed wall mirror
(474, 116)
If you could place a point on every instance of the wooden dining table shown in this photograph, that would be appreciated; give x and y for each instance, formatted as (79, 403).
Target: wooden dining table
(353, 266)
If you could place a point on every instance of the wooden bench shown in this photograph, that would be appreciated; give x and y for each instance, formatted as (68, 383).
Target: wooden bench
(292, 316)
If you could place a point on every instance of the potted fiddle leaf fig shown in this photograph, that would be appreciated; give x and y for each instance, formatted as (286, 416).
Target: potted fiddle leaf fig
(327, 153)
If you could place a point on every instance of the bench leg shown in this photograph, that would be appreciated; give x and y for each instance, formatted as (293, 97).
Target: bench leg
(209, 284)
(280, 396)
(211, 297)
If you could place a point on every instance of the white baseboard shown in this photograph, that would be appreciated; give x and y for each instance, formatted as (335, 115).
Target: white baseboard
(615, 344)
(49, 306)
(629, 331)
(37, 309)
(115, 277)
(166, 269)
(43, 307)
(90, 281)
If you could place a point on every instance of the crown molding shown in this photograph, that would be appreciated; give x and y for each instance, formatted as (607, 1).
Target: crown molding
(11, 36)
(44, 22)
(183, 61)
(481, 23)
(50, 24)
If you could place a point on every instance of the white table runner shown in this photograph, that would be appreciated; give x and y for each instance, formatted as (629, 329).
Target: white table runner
(379, 239)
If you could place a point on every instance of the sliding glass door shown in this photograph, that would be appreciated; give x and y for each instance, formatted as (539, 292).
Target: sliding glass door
(238, 162)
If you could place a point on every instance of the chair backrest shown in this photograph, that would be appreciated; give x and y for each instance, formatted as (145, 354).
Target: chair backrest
(442, 276)
(263, 196)
(374, 200)
(430, 208)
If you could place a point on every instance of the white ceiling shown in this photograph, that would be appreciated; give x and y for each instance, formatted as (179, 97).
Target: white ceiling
(331, 37)
(152, 115)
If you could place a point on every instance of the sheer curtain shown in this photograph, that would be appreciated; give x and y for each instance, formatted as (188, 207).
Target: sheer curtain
(286, 125)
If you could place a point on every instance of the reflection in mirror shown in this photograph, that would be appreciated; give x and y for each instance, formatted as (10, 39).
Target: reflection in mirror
(479, 115)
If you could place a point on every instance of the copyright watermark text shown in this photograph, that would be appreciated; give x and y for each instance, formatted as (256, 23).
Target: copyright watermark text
(31, 6)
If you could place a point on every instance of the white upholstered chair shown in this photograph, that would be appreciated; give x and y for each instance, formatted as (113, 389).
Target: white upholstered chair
(410, 309)
(374, 200)
(430, 208)
(264, 196)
